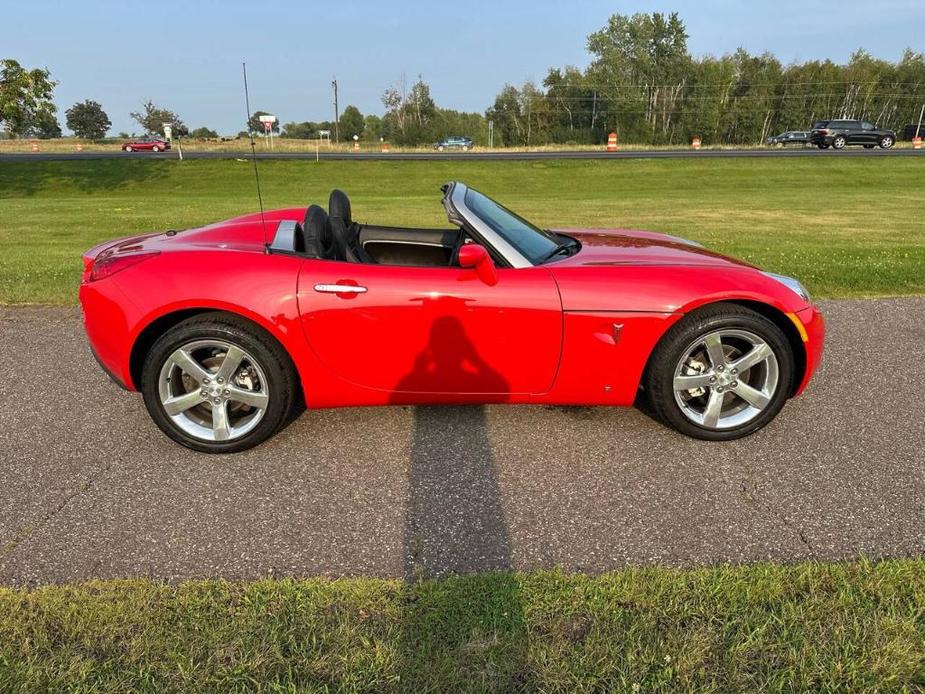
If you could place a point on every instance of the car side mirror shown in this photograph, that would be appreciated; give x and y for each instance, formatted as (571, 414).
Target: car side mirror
(472, 255)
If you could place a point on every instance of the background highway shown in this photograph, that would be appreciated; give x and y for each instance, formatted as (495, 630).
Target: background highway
(477, 154)
(92, 489)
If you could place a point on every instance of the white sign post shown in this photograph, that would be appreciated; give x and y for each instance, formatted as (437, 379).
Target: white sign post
(168, 131)
(268, 122)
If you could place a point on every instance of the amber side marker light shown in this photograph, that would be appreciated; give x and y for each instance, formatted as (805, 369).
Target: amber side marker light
(800, 328)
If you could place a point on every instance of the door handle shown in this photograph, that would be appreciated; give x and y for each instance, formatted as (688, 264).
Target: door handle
(339, 289)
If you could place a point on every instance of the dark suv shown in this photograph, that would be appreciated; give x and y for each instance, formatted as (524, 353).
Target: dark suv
(838, 133)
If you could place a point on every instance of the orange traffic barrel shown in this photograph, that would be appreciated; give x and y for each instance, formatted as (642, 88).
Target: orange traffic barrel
(695, 142)
(35, 146)
(917, 142)
(612, 142)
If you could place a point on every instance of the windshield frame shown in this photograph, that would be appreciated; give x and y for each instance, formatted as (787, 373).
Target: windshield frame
(459, 213)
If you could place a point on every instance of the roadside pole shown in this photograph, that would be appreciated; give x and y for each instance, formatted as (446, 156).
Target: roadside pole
(918, 128)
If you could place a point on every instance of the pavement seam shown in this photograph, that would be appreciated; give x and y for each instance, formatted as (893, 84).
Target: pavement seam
(26, 531)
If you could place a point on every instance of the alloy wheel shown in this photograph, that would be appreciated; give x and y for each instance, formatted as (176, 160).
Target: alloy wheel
(213, 390)
(726, 378)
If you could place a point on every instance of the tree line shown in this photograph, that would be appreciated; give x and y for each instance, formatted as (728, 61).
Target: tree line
(641, 82)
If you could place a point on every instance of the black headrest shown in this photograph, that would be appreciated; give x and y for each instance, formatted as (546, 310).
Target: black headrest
(339, 206)
(317, 228)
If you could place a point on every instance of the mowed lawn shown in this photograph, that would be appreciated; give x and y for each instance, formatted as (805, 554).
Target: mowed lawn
(844, 226)
(801, 628)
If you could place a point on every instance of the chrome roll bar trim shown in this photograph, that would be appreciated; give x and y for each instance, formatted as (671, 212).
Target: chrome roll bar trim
(507, 251)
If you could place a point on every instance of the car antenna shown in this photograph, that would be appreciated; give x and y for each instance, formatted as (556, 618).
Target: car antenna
(250, 134)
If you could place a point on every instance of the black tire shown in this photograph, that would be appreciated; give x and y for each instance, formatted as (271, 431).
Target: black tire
(658, 380)
(886, 142)
(155, 148)
(127, 148)
(823, 145)
(839, 142)
(868, 146)
(280, 374)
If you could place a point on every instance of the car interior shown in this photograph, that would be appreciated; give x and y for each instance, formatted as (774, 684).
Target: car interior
(333, 235)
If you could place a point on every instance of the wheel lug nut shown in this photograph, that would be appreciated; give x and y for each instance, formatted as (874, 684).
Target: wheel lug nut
(712, 379)
(720, 368)
(206, 380)
(221, 380)
(735, 384)
(719, 390)
(217, 401)
(227, 392)
(204, 393)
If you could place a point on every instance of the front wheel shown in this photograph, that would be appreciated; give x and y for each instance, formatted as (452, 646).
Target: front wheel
(155, 148)
(721, 373)
(127, 148)
(839, 142)
(886, 142)
(822, 145)
(217, 384)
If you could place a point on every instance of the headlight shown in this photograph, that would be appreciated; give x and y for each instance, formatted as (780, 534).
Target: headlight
(793, 284)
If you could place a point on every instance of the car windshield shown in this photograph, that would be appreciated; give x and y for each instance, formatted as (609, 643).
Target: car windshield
(533, 243)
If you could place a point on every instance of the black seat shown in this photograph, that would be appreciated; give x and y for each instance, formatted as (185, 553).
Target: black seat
(316, 230)
(346, 234)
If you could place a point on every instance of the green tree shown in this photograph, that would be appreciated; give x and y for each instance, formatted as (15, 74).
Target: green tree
(152, 118)
(46, 126)
(203, 133)
(88, 119)
(25, 97)
(351, 123)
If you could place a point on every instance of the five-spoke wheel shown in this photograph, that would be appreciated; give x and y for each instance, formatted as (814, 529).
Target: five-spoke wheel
(720, 373)
(218, 384)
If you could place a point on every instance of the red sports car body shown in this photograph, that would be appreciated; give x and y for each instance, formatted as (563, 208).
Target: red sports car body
(146, 144)
(369, 315)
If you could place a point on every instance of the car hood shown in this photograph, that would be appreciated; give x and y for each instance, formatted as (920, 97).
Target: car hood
(636, 247)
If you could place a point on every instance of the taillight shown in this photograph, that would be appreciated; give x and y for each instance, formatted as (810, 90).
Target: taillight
(107, 265)
(823, 131)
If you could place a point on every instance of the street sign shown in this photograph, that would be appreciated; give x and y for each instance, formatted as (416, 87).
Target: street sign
(168, 130)
(267, 118)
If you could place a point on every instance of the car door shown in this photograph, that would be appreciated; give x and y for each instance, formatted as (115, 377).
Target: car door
(868, 133)
(854, 132)
(438, 330)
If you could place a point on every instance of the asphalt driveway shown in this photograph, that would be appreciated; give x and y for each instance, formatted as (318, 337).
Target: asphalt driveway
(90, 488)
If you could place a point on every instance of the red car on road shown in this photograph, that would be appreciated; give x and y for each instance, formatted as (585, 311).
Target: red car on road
(254, 317)
(146, 144)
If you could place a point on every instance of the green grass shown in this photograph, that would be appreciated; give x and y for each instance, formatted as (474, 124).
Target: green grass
(806, 627)
(845, 226)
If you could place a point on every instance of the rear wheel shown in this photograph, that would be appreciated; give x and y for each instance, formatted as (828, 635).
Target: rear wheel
(216, 383)
(839, 142)
(127, 148)
(823, 145)
(886, 142)
(721, 373)
(868, 146)
(155, 148)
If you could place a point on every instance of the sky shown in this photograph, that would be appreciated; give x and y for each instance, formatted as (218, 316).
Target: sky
(187, 55)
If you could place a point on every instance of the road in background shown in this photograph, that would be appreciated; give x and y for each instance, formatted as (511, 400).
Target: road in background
(484, 155)
(92, 489)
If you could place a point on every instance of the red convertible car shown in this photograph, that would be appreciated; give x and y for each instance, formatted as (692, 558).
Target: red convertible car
(230, 329)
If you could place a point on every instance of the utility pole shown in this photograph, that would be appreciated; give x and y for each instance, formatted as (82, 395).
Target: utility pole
(336, 113)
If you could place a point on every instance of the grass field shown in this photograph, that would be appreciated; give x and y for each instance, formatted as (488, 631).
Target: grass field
(807, 627)
(845, 226)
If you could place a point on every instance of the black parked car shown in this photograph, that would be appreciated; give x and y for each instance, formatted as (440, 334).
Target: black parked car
(838, 133)
(791, 137)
